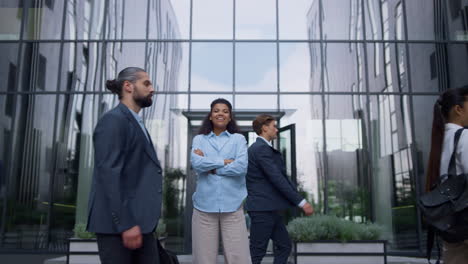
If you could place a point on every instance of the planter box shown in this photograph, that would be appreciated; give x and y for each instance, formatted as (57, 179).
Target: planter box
(86, 250)
(336, 252)
(78, 249)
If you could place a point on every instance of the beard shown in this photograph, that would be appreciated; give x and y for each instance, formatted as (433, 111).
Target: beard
(143, 101)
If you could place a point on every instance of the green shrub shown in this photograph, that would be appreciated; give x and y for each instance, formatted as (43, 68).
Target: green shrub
(80, 232)
(326, 227)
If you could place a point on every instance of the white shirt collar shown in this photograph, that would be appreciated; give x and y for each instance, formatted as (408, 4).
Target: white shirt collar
(225, 132)
(268, 142)
(449, 126)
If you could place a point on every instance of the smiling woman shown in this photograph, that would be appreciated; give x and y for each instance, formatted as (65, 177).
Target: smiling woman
(219, 158)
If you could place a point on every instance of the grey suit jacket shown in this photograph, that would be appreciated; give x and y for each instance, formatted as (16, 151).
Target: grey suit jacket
(127, 181)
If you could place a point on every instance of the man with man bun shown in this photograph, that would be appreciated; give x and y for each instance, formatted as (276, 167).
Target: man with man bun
(125, 197)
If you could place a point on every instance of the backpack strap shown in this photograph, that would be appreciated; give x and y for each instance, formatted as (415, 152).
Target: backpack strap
(452, 169)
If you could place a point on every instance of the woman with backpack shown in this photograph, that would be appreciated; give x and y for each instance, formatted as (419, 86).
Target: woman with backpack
(450, 115)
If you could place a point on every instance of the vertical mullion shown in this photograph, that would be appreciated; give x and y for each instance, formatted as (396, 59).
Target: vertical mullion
(277, 62)
(369, 167)
(14, 121)
(190, 59)
(324, 130)
(148, 7)
(413, 134)
(234, 54)
(55, 142)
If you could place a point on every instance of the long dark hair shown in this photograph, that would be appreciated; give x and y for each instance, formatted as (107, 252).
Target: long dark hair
(207, 125)
(128, 74)
(442, 108)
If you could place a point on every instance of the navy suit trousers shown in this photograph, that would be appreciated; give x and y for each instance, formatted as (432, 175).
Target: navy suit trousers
(266, 225)
(112, 250)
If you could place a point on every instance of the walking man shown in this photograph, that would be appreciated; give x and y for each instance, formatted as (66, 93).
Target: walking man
(125, 198)
(269, 191)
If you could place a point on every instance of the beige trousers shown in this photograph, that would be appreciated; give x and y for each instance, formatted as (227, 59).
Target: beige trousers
(455, 253)
(205, 237)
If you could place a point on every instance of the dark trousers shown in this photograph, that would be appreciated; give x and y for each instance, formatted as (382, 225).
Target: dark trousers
(266, 225)
(112, 250)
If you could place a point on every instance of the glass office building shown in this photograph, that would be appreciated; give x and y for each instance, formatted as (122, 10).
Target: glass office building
(352, 83)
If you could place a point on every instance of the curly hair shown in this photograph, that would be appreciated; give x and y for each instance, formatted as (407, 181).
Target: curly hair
(207, 125)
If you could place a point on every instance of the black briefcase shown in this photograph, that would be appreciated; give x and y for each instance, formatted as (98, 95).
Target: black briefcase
(166, 256)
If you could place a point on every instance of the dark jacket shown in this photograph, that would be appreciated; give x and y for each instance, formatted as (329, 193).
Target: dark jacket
(268, 186)
(127, 182)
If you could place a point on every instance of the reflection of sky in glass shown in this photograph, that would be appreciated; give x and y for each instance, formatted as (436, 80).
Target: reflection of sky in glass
(256, 66)
(293, 18)
(212, 66)
(294, 67)
(256, 19)
(212, 19)
(344, 135)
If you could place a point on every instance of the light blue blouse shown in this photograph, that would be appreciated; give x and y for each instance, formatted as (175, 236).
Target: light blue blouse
(224, 191)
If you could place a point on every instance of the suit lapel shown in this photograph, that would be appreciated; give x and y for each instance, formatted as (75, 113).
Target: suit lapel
(149, 147)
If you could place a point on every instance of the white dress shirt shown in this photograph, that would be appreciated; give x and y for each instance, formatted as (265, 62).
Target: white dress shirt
(461, 156)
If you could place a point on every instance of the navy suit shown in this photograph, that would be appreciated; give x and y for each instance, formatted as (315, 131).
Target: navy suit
(269, 191)
(126, 188)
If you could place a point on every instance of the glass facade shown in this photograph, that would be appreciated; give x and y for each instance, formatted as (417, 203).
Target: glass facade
(352, 82)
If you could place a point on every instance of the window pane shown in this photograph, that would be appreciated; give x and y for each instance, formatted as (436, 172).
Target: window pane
(11, 13)
(421, 20)
(169, 19)
(203, 101)
(428, 70)
(85, 19)
(344, 67)
(313, 21)
(293, 19)
(29, 154)
(256, 67)
(393, 177)
(8, 67)
(342, 19)
(212, 67)
(265, 102)
(127, 19)
(75, 120)
(212, 19)
(373, 19)
(256, 19)
(167, 65)
(132, 54)
(44, 20)
(347, 178)
(168, 130)
(305, 111)
(298, 63)
(388, 67)
(458, 64)
(40, 70)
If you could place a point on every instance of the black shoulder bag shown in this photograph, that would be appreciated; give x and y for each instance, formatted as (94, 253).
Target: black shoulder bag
(445, 207)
